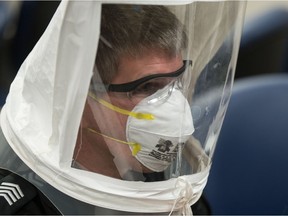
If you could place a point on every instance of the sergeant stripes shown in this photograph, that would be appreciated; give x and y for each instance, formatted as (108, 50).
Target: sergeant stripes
(11, 192)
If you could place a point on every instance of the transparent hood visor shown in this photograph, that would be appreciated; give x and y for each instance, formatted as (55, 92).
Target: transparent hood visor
(146, 92)
(120, 106)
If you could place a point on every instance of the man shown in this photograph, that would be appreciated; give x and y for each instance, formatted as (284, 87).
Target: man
(119, 138)
(136, 42)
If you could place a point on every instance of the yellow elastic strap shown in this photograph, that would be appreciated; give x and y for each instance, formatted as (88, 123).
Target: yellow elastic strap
(136, 147)
(146, 116)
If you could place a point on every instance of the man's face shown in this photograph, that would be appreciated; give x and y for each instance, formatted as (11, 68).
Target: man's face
(112, 123)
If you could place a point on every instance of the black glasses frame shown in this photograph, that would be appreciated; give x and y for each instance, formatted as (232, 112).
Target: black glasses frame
(127, 87)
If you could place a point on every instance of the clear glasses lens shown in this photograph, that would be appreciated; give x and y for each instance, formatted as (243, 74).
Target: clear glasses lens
(163, 94)
(151, 86)
(156, 90)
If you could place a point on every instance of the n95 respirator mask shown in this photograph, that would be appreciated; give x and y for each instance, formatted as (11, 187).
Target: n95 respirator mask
(162, 137)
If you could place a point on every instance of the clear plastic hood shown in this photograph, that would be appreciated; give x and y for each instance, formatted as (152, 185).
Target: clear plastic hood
(120, 103)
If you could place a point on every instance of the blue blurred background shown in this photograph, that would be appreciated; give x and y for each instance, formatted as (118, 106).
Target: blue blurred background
(249, 174)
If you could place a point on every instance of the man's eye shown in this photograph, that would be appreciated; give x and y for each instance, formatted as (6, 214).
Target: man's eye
(149, 88)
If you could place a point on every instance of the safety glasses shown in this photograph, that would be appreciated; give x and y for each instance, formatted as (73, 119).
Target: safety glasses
(148, 85)
(160, 85)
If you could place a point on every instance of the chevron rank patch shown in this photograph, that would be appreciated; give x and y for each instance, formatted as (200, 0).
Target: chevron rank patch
(15, 192)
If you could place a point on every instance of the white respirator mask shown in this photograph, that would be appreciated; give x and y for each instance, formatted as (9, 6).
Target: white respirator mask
(160, 138)
(157, 127)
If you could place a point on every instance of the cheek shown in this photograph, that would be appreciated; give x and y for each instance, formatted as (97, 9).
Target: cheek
(125, 104)
(117, 121)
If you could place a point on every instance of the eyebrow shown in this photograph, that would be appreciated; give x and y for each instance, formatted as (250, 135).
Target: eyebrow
(126, 87)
